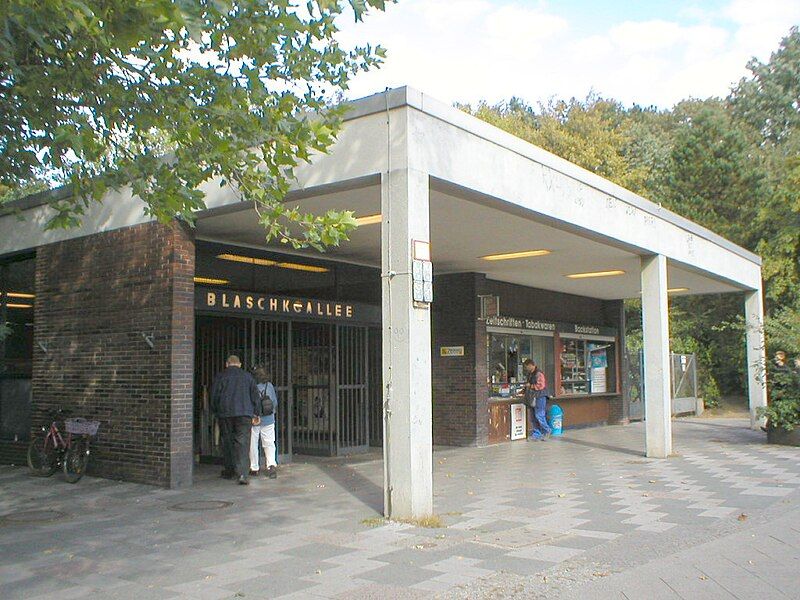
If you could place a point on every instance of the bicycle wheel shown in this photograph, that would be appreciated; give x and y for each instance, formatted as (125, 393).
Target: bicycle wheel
(42, 459)
(76, 459)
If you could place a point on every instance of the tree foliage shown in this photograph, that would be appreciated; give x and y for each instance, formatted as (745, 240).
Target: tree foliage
(769, 99)
(168, 95)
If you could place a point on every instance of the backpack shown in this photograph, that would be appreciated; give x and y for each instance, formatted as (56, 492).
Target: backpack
(267, 405)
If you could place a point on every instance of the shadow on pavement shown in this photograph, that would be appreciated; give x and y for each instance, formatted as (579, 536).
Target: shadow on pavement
(599, 446)
(356, 484)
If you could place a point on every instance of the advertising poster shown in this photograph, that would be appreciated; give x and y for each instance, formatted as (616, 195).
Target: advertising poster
(519, 422)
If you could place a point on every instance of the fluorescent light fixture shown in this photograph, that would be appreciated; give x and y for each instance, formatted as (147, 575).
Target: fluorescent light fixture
(250, 260)
(299, 267)
(589, 274)
(20, 295)
(10, 305)
(211, 280)
(512, 255)
(265, 262)
(368, 220)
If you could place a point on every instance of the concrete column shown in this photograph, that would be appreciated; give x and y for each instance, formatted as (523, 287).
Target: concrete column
(408, 443)
(655, 330)
(756, 355)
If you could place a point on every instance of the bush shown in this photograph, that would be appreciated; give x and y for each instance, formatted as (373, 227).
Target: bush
(783, 381)
(709, 391)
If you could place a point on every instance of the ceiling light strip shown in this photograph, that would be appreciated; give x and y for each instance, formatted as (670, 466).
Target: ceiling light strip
(211, 280)
(589, 274)
(301, 267)
(513, 255)
(250, 260)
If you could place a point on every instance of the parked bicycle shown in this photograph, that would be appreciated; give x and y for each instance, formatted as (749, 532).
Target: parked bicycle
(50, 449)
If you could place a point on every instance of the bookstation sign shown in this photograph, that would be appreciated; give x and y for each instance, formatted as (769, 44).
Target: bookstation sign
(549, 326)
(289, 307)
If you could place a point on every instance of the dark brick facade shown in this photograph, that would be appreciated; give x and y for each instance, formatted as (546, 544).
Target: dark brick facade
(97, 297)
(12, 453)
(460, 398)
(457, 397)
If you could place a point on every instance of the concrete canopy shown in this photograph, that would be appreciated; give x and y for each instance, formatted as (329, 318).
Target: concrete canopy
(490, 193)
(493, 193)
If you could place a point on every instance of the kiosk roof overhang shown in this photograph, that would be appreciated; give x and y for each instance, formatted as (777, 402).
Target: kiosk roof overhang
(490, 193)
(494, 193)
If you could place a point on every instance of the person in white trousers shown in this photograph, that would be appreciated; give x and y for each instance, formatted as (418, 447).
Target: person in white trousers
(265, 429)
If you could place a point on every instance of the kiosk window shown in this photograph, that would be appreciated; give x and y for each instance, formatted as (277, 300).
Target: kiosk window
(587, 367)
(506, 354)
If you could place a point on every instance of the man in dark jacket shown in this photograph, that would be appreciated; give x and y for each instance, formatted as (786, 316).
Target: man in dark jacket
(235, 401)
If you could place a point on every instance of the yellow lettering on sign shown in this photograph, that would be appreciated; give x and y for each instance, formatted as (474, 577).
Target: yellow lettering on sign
(260, 304)
(319, 309)
(285, 306)
(225, 301)
(328, 309)
(297, 306)
(211, 299)
(237, 302)
(349, 311)
(309, 309)
(338, 310)
(273, 304)
(249, 302)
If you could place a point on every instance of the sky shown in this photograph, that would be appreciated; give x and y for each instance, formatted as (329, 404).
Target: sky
(639, 52)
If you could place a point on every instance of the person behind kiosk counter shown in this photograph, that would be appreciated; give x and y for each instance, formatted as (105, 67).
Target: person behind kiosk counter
(536, 398)
(265, 431)
(236, 402)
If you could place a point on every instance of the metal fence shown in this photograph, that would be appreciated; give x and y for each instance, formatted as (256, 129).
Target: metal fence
(683, 379)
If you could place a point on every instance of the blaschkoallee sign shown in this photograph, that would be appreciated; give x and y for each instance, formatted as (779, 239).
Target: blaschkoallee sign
(231, 301)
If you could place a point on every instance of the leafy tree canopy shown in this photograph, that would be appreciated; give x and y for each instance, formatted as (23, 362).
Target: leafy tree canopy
(165, 95)
(769, 99)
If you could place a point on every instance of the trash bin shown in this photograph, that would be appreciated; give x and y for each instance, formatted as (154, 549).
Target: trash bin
(555, 418)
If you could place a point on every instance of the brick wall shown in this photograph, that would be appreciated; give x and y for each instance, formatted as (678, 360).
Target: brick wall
(95, 298)
(13, 453)
(455, 389)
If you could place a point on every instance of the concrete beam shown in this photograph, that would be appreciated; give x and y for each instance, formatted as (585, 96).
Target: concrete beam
(655, 333)
(756, 355)
(408, 442)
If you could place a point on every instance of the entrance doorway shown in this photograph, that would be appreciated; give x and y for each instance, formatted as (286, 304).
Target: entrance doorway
(327, 377)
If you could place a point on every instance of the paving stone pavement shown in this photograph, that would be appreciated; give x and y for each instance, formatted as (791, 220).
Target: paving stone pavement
(578, 517)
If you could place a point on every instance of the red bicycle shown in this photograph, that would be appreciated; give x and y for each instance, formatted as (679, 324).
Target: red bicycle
(49, 448)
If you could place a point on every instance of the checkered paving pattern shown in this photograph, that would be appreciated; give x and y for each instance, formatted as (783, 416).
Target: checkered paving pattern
(522, 508)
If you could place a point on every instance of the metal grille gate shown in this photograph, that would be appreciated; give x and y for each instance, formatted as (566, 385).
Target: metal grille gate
(325, 376)
(312, 357)
(352, 388)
